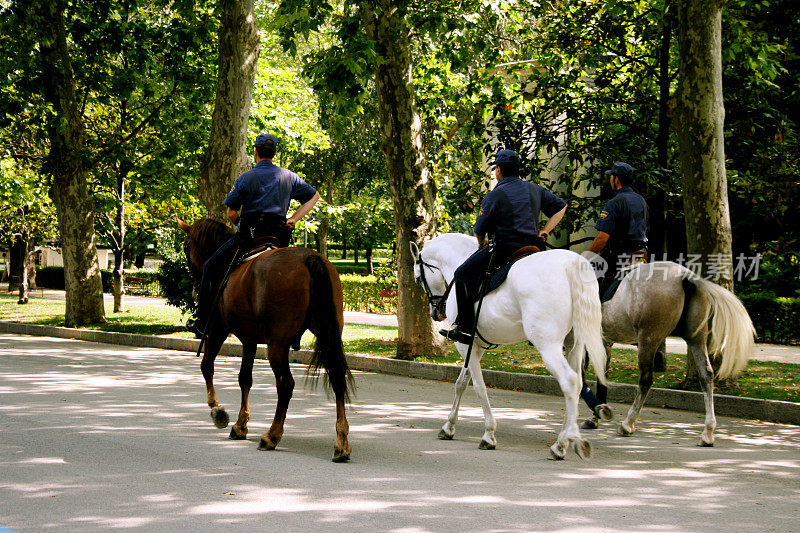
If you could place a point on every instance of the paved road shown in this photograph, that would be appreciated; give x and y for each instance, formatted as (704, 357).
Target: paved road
(98, 437)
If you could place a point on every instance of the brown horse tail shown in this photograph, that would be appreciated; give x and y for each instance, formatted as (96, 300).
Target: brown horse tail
(324, 322)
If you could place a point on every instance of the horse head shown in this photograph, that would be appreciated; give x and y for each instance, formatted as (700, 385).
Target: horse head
(201, 241)
(429, 274)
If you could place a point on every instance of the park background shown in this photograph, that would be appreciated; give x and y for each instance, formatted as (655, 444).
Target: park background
(117, 116)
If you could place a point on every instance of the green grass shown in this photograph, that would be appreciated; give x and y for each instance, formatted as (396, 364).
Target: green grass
(765, 380)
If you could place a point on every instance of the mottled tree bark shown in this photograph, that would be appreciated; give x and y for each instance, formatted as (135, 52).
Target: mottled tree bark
(413, 190)
(700, 116)
(84, 288)
(227, 155)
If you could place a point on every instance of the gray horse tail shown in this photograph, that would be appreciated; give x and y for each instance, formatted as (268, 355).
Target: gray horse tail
(587, 316)
(731, 332)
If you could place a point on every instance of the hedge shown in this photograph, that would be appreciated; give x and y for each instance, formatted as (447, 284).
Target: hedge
(53, 278)
(776, 319)
(367, 294)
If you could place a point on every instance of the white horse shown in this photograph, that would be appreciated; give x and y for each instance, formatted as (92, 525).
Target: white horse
(546, 296)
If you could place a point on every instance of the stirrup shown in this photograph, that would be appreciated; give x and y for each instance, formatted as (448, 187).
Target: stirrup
(195, 325)
(455, 334)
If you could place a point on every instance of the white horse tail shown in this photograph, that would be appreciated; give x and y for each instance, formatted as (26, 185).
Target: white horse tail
(731, 330)
(587, 316)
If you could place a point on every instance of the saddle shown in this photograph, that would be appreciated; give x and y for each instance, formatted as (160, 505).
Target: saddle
(498, 275)
(257, 245)
(637, 257)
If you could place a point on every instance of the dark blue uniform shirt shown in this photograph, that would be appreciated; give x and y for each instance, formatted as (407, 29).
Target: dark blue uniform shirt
(625, 217)
(511, 211)
(268, 188)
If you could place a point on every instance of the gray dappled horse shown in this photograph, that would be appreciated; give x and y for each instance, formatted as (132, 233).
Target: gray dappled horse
(663, 298)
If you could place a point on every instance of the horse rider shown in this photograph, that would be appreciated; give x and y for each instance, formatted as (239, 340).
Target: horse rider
(622, 227)
(262, 195)
(510, 211)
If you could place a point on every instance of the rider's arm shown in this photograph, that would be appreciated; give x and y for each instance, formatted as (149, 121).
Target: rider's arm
(599, 242)
(302, 210)
(552, 222)
(233, 216)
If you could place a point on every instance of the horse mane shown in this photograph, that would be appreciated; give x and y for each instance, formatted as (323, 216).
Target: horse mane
(206, 236)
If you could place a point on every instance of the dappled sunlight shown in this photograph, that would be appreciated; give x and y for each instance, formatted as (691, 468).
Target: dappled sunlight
(110, 437)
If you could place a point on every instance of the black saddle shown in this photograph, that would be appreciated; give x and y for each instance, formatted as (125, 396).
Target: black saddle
(498, 275)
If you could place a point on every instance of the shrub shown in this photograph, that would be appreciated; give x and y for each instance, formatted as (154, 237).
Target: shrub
(52, 277)
(775, 319)
(367, 294)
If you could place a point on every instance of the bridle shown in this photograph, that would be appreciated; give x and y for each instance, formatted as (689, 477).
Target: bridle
(436, 301)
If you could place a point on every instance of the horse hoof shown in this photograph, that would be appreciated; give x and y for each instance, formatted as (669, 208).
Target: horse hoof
(444, 436)
(339, 456)
(622, 431)
(236, 435)
(554, 456)
(486, 445)
(264, 444)
(705, 444)
(220, 417)
(604, 412)
(582, 448)
(590, 423)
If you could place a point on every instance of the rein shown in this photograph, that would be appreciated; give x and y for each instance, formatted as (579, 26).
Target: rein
(435, 300)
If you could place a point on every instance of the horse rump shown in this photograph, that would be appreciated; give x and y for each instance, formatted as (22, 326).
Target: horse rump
(323, 320)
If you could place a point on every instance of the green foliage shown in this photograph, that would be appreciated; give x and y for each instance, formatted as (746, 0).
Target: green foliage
(173, 273)
(775, 319)
(367, 294)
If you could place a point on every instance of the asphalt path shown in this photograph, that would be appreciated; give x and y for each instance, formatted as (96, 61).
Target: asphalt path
(100, 437)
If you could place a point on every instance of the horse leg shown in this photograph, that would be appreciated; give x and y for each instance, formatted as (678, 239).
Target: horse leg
(279, 361)
(697, 347)
(449, 427)
(239, 429)
(341, 449)
(647, 351)
(598, 404)
(488, 441)
(569, 381)
(213, 344)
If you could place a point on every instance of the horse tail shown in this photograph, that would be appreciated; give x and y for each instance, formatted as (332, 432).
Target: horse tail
(731, 330)
(587, 316)
(324, 321)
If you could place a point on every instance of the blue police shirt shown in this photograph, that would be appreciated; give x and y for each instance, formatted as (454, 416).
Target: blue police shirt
(268, 188)
(511, 211)
(625, 217)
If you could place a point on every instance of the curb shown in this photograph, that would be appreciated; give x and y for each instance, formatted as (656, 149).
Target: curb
(735, 406)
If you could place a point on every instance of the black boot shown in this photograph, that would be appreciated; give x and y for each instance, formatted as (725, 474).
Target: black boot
(462, 329)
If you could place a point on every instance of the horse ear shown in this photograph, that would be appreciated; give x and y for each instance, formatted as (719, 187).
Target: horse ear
(183, 225)
(414, 249)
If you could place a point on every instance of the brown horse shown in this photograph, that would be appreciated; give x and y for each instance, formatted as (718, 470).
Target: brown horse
(270, 300)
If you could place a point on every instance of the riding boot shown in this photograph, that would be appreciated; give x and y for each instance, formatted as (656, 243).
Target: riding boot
(198, 324)
(464, 323)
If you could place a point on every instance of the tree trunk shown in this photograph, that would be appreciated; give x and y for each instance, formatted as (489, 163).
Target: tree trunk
(23, 271)
(368, 256)
(700, 116)
(227, 156)
(118, 287)
(413, 191)
(15, 263)
(84, 288)
(657, 238)
(344, 247)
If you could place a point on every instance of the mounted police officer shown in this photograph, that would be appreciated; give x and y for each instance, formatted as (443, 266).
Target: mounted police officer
(262, 195)
(622, 226)
(510, 211)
